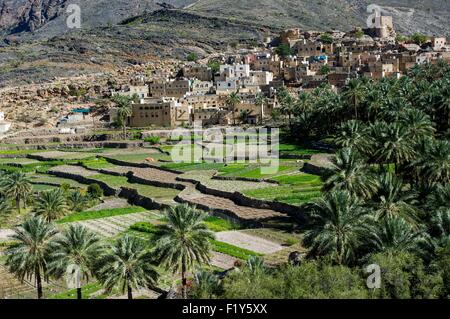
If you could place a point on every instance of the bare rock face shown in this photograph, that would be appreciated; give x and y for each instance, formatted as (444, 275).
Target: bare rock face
(28, 15)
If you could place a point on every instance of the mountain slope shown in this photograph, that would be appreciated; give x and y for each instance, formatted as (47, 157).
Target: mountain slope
(426, 16)
(45, 18)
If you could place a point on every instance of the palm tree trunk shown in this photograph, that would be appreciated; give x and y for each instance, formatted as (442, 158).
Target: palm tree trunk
(38, 283)
(79, 296)
(18, 203)
(130, 293)
(183, 281)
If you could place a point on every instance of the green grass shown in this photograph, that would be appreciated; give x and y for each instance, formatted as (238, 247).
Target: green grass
(293, 149)
(145, 190)
(232, 250)
(145, 227)
(97, 163)
(293, 189)
(37, 188)
(217, 224)
(87, 290)
(100, 214)
(19, 152)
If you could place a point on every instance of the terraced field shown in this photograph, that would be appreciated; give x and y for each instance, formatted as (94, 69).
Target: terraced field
(112, 226)
(293, 189)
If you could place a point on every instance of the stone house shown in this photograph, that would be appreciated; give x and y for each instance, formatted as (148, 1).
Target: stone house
(141, 91)
(197, 71)
(162, 112)
(173, 88)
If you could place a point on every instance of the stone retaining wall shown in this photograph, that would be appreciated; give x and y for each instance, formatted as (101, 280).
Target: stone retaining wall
(138, 165)
(316, 170)
(243, 200)
(107, 190)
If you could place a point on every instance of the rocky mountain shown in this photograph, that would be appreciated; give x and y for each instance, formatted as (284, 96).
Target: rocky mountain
(426, 16)
(36, 45)
(44, 18)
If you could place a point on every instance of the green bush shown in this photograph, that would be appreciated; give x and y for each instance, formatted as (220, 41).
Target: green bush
(152, 139)
(95, 191)
(217, 224)
(144, 227)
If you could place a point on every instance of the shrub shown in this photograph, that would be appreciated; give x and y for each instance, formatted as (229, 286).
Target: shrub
(153, 139)
(192, 57)
(144, 227)
(95, 191)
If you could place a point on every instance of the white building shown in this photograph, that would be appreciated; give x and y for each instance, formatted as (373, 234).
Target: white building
(139, 90)
(4, 126)
(235, 71)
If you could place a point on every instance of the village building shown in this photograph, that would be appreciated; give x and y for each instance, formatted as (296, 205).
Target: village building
(142, 91)
(161, 112)
(169, 88)
(197, 71)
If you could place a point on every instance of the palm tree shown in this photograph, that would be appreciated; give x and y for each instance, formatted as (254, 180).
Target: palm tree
(16, 185)
(287, 103)
(76, 201)
(354, 93)
(352, 175)
(394, 144)
(124, 111)
(206, 284)
(29, 256)
(354, 134)
(392, 200)
(418, 124)
(73, 255)
(434, 165)
(5, 206)
(261, 101)
(51, 205)
(231, 102)
(127, 265)
(336, 227)
(395, 234)
(184, 241)
(244, 116)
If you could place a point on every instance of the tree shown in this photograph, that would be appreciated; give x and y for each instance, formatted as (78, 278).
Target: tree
(261, 101)
(354, 134)
(284, 50)
(5, 206)
(128, 265)
(95, 191)
(16, 185)
(434, 165)
(206, 285)
(244, 116)
(419, 39)
(231, 102)
(391, 200)
(29, 256)
(404, 277)
(354, 93)
(50, 204)
(192, 57)
(393, 144)
(124, 111)
(352, 175)
(417, 123)
(395, 234)
(336, 227)
(184, 241)
(73, 255)
(76, 201)
(287, 104)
